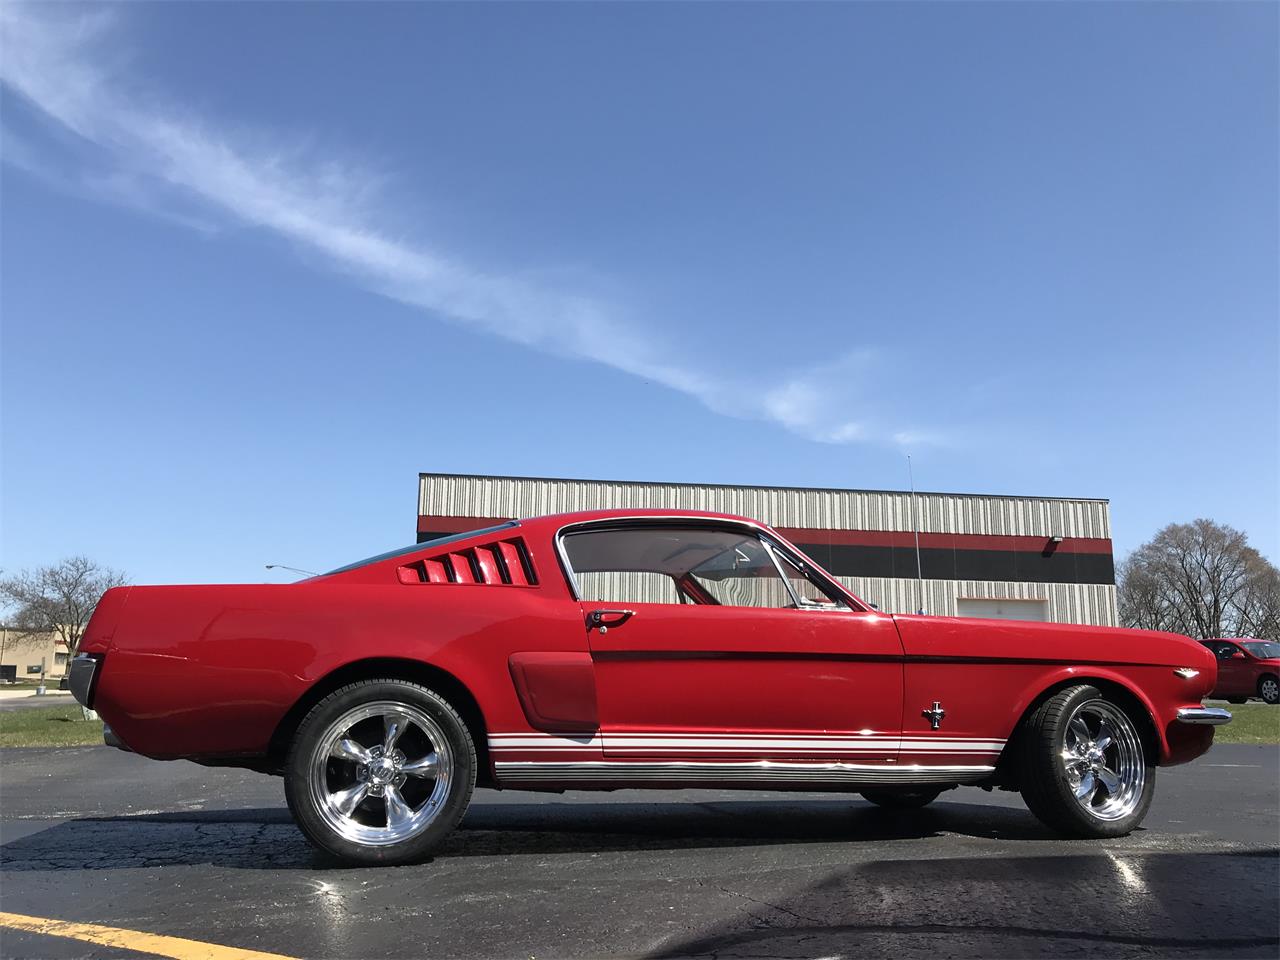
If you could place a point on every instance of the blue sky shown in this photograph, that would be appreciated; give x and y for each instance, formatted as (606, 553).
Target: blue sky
(263, 263)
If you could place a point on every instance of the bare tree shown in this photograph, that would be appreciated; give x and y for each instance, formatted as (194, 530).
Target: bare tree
(1201, 579)
(57, 599)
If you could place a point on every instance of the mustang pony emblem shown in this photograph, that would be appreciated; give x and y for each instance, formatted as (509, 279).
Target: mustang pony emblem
(934, 715)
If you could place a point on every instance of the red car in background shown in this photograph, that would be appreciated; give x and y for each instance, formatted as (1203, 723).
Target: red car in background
(1246, 668)
(623, 649)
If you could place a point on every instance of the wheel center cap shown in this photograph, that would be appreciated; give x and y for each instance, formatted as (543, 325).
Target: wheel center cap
(383, 770)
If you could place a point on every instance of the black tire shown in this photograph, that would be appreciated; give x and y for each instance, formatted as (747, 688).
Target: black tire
(901, 799)
(428, 718)
(1269, 689)
(1237, 699)
(1050, 782)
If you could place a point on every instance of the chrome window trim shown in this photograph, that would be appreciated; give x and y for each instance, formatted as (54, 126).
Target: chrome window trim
(806, 566)
(786, 581)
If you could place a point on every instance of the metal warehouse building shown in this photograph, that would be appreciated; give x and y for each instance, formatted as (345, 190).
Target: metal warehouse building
(1027, 558)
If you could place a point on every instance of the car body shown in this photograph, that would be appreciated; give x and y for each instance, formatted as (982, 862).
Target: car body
(616, 649)
(1247, 667)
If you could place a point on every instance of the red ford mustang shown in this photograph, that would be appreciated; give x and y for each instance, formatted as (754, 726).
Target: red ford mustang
(628, 649)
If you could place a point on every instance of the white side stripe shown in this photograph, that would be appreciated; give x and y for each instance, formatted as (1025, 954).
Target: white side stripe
(632, 742)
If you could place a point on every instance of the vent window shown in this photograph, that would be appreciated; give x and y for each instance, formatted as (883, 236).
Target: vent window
(504, 563)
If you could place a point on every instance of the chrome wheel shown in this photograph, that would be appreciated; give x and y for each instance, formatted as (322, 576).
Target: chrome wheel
(380, 773)
(1103, 759)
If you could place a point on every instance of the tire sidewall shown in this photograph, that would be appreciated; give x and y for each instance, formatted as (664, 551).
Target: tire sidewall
(297, 774)
(1051, 797)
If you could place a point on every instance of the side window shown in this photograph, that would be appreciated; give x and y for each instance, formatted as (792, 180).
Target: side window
(634, 586)
(742, 575)
(637, 564)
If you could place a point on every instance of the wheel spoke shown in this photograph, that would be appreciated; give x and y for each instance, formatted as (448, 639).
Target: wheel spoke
(398, 812)
(427, 766)
(1080, 730)
(1110, 780)
(394, 726)
(1106, 734)
(347, 800)
(348, 749)
(1086, 787)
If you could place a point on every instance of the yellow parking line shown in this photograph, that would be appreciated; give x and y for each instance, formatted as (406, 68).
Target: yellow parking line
(153, 943)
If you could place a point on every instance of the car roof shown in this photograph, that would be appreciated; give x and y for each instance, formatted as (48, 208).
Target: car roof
(558, 520)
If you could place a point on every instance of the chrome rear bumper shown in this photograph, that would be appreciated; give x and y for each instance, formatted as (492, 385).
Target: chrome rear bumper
(1211, 716)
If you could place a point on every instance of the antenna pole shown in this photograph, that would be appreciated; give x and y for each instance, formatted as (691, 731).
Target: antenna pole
(915, 529)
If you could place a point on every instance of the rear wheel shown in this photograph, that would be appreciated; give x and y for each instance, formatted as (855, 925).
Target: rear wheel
(380, 771)
(1269, 689)
(1237, 699)
(901, 799)
(1085, 769)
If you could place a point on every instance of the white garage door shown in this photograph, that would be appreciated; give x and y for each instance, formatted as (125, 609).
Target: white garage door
(1003, 609)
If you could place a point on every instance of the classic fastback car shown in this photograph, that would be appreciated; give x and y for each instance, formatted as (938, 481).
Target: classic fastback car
(628, 649)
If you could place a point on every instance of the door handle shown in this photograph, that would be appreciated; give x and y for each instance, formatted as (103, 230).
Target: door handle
(602, 620)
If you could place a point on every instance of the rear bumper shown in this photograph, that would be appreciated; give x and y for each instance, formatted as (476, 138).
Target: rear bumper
(111, 740)
(1206, 716)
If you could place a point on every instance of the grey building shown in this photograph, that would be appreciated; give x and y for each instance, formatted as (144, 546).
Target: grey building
(1026, 558)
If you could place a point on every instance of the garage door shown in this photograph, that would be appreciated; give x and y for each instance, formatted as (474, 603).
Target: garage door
(1003, 609)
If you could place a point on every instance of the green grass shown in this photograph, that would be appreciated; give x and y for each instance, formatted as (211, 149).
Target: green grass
(1250, 723)
(63, 726)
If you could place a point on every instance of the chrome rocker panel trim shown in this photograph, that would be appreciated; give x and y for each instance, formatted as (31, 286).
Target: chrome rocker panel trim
(1211, 716)
(759, 771)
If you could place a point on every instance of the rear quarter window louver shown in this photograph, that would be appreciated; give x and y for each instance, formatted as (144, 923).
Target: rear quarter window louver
(502, 563)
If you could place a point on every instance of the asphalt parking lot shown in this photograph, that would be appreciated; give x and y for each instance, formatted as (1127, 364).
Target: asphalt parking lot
(98, 836)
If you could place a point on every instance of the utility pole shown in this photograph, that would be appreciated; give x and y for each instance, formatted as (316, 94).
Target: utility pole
(915, 528)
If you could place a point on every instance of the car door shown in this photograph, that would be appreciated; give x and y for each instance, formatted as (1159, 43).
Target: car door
(1235, 671)
(704, 650)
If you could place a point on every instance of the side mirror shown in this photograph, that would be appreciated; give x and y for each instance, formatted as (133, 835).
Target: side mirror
(1237, 655)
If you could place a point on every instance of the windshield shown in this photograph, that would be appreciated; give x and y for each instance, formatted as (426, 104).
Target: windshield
(425, 545)
(1263, 649)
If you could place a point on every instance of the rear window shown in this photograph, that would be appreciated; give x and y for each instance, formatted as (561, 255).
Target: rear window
(427, 545)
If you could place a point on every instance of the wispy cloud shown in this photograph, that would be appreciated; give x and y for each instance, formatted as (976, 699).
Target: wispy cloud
(164, 161)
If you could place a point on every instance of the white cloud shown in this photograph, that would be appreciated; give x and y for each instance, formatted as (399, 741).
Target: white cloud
(67, 67)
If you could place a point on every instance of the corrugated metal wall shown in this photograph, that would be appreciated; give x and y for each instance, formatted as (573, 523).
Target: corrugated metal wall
(481, 496)
(467, 496)
(1091, 603)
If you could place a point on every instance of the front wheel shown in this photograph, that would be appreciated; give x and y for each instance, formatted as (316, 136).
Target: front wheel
(1085, 769)
(901, 799)
(380, 771)
(1269, 690)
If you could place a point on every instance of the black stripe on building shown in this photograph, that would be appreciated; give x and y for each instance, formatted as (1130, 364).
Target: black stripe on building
(940, 563)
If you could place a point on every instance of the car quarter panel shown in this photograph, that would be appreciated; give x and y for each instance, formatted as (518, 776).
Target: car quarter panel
(211, 671)
(987, 673)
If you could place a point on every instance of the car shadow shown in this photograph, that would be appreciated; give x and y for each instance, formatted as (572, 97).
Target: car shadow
(1107, 903)
(267, 838)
